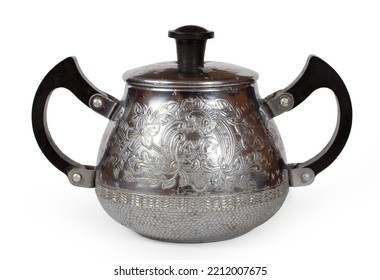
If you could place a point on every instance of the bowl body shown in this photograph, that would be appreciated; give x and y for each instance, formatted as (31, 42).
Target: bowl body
(192, 165)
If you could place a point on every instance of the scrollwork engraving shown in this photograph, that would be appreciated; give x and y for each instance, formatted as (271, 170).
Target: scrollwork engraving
(189, 146)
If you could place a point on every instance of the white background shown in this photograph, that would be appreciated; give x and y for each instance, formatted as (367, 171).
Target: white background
(52, 230)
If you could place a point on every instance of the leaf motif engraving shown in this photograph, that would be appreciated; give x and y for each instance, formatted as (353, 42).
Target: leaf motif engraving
(189, 145)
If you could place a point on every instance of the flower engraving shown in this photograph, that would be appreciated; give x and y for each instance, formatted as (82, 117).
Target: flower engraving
(243, 172)
(119, 147)
(189, 146)
(145, 127)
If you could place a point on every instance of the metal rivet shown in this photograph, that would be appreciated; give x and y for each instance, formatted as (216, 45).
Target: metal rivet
(97, 102)
(284, 101)
(76, 177)
(305, 177)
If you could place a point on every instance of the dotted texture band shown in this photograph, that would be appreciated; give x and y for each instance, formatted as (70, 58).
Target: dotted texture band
(191, 219)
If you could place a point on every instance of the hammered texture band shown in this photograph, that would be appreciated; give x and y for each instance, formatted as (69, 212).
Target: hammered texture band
(191, 219)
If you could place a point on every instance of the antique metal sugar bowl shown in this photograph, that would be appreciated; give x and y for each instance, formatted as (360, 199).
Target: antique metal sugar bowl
(191, 152)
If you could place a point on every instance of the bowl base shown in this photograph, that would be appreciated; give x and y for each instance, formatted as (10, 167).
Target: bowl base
(192, 219)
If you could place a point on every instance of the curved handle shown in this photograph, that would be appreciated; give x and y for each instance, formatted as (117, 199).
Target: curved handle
(67, 74)
(315, 75)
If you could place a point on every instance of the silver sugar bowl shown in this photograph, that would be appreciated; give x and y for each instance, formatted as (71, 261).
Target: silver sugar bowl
(191, 152)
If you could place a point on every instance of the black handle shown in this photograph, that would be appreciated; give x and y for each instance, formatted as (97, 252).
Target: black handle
(67, 74)
(316, 74)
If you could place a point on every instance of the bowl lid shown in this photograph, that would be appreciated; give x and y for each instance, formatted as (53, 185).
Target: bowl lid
(212, 74)
(190, 70)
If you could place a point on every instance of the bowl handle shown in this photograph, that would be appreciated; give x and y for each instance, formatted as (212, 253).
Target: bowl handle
(316, 74)
(67, 74)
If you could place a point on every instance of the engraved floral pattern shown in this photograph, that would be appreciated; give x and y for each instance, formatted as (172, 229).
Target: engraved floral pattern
(189, 146)
(146, 126)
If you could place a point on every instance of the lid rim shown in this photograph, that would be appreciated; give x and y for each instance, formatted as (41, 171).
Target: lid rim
(213, 75)
(174, 86)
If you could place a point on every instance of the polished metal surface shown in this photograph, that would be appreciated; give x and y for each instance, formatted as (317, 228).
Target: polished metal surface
(212, 74)
(192, 148)
(192, 219)
(82, 177)
(107, 106)
(299, 177)
(279, 102)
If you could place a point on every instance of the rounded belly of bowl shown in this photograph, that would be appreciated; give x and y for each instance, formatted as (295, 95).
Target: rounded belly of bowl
(191, 219)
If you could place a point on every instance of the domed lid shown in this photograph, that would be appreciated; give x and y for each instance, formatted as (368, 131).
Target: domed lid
(190, 70)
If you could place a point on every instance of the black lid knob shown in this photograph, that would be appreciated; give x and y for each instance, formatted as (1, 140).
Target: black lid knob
(191, 45)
